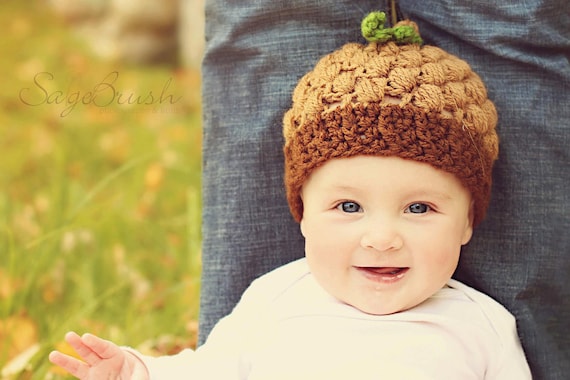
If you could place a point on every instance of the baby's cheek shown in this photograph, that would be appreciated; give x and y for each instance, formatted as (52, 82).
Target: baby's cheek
(447, 259)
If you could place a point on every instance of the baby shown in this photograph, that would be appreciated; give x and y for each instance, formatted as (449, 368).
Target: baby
(389, 149)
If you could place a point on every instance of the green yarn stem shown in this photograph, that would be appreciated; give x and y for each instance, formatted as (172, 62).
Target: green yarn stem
(373, 30)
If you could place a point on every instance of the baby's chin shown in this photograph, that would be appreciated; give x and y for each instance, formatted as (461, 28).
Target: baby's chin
(384, 309)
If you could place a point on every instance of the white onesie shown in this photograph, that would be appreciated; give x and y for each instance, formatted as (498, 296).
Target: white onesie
(286, 327)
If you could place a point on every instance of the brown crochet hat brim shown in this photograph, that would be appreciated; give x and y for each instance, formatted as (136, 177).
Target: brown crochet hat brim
(377, 129)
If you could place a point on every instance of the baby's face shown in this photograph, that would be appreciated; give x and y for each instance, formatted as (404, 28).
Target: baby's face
(383, 233)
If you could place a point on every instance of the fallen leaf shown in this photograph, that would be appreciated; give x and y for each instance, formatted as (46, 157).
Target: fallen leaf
(8, 285)
(18, 364)
(17, 333)
(154, 176)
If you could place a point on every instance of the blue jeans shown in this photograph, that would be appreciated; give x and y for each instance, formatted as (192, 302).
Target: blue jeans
(256, 52)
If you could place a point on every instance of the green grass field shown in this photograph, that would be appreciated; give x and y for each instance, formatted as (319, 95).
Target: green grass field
(99, 197)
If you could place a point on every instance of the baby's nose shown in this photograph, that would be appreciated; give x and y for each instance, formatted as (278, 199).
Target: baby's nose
(382, 235)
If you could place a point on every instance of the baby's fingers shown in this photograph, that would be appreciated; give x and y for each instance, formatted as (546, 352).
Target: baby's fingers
(72, 365)
(104, 349)
(84, 349)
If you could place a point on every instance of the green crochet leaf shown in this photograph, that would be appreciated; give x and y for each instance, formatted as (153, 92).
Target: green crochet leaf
(373, 30)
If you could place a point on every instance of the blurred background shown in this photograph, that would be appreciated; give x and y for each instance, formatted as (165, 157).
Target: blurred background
(100, 156)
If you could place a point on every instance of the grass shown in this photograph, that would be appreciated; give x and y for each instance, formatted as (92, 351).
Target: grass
(99, 200)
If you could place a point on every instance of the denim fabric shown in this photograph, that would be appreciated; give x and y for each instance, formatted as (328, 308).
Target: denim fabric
(257, 50)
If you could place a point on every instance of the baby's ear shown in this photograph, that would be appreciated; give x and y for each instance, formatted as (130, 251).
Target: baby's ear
(301, 222)
(468, 232)
(302, 226)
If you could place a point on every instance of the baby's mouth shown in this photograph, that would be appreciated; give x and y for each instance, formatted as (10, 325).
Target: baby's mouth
(385, 274)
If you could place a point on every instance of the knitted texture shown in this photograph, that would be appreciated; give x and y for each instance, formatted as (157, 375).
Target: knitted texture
(417, 103)
(374, 30)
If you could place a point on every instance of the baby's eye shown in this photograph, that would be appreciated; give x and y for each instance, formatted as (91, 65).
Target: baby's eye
(349, 207)
(418, 208)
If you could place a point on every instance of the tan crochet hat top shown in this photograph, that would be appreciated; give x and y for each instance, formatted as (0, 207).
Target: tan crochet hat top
(392, 99)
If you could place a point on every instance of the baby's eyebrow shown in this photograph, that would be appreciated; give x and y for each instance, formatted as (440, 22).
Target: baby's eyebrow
(349, 190)
(423, 192)
(430, 193)
(344, 188)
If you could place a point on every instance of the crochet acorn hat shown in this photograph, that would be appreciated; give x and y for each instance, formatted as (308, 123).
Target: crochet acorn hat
(392, 97)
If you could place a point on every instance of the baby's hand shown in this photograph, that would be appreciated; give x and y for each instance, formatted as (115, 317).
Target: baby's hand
(101, 360)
